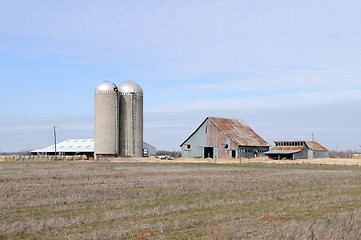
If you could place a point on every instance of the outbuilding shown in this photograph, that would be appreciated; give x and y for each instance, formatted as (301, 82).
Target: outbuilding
(82, 147)
(69, 147)
(223, 138)
(149, 150)
(297, 150)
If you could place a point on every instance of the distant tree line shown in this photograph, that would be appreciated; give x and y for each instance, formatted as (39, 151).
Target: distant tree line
(343, 153)
(20, 153)
(175, 154)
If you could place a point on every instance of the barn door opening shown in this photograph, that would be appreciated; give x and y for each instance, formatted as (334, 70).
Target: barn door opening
(208, 152)
(233, 153)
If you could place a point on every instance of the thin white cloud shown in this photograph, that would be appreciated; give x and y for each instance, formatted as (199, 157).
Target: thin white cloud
(304, 53)
(262, 102)
(296, 80)
(232, 31)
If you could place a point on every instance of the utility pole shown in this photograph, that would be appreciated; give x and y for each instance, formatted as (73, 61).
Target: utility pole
(55, 144)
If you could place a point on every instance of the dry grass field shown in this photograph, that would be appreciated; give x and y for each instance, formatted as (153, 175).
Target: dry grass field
(312, 161)
(126, 200)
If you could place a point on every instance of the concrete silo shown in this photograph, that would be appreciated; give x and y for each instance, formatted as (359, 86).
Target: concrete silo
(106, 120)
(130, 119)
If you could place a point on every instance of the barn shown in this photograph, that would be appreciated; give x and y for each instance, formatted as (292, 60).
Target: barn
(223, 138)
(297, 150)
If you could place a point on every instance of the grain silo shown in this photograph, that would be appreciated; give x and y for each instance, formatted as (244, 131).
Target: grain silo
(106, 120)
(130, 119)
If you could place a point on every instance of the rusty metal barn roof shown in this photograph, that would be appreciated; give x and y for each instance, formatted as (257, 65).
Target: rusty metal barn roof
(313, 145)
(285, 149)
(280, 152)
(238, 131)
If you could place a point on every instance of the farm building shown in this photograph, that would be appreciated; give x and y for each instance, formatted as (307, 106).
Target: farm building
(82, 147)
(148, 150)
(69, 147)
(297, 150)
(223, 138)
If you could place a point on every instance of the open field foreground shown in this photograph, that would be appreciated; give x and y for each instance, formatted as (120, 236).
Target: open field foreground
(119, 200)
(318, 161)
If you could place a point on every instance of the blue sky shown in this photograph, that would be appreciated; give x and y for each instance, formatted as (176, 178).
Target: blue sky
(288, 68)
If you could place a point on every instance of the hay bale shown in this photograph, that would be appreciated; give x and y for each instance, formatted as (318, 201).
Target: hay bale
(83, 157)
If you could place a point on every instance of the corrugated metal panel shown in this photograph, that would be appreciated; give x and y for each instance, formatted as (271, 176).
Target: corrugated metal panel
(238, 131)
(315, 146)
(71, 145)
(196, 141)
(152, 151)
(76, 145)
(288, 148)
(193, 132)
(217, 138)
(285, 149)
(280, 152)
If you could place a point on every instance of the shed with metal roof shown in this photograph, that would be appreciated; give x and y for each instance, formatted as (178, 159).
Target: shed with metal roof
(69, 147)
(82, 147)
(297, 150)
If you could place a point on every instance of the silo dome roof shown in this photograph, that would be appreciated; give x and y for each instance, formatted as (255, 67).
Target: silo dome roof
(130, 87)
(106, 86)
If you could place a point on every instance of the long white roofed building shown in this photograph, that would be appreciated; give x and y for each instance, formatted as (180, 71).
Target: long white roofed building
(82, 147)
(69, 147)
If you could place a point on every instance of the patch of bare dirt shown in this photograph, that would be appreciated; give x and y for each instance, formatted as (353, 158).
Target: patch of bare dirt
(140, 238)
(145, 232)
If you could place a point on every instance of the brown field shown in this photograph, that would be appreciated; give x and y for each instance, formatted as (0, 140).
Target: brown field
(163, 200)
(314, 161)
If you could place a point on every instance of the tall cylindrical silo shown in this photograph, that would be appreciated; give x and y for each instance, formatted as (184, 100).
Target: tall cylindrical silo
(106, 120)
(130, 119)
